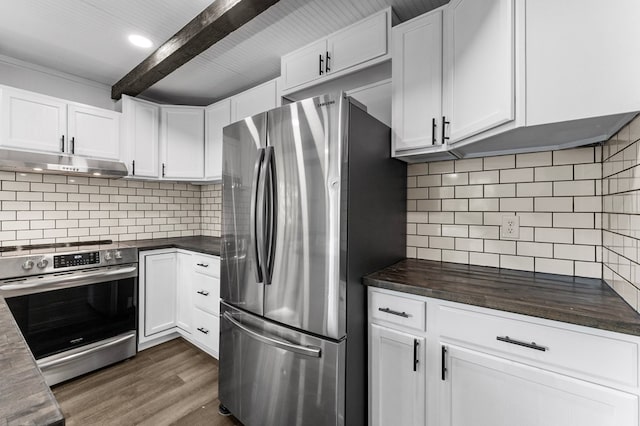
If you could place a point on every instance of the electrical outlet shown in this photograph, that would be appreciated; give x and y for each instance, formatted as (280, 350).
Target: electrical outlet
(510, 227)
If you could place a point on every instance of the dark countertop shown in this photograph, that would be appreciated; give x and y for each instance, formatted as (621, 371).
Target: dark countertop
(205, 245)
(582, 301)
(25, 398)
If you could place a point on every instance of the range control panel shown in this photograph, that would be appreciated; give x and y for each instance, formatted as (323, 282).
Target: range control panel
(66, 260)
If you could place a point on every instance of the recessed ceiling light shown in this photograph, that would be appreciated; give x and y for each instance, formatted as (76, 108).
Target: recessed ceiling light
(140, 41)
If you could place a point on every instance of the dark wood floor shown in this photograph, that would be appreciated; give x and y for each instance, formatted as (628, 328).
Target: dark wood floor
(170, 384)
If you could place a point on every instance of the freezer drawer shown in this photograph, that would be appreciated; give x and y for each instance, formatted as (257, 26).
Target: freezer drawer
(272, 375)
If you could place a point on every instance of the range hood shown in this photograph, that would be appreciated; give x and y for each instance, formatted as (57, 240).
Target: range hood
(20, 161)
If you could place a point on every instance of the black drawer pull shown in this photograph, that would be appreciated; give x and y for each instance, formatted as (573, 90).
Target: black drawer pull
(203, 330)
(415, 354)
(531, 345)
(204, 265)
(443, 363)
(203, 292)
(392, 312)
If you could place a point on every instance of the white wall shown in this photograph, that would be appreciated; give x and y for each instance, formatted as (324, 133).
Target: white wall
(27, 76)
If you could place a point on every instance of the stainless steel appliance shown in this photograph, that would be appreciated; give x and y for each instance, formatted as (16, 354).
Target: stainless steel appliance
(75, 309)
(311, 202)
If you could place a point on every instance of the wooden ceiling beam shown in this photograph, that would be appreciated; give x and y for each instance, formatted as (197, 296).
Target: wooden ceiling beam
(214, 23)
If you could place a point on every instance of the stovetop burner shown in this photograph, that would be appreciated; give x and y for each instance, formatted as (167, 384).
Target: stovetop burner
(54, 245)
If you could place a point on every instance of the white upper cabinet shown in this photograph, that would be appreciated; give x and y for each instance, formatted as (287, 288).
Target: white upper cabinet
(417, 82)
(94, 132)
(255, 100)
(479, 64)
(350, 49)
(33, 122)
(304, 65)
(579, 59)
(140, 142)
(365, 40)
(217, 116)
(182, 142)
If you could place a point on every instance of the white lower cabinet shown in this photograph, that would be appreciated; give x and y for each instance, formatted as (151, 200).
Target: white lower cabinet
(159, 292)
(481, 389)
(179, 296)
(397, 377)
(483, 367)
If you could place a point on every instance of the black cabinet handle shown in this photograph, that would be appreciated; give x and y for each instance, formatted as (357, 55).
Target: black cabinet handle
(444, 125)
(326, 67)
(73, 145)
(133, 168)
(444, 363)
(415, 354)
(321, 70)
(203, 330)
(392, 312)
(62, 145)
(203, 292)
(162, 169)
(204, 265)
(433, 131)
(531, 345)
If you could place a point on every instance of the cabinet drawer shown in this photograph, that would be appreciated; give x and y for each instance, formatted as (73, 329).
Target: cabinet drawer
(399, 310)
(598, 357)
(206, 329)
(206, 293)
(208, 265)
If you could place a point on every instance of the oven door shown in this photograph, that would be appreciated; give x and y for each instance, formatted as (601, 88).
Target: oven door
(61, 312)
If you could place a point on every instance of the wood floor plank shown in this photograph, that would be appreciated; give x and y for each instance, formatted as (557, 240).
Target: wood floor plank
(170, 384)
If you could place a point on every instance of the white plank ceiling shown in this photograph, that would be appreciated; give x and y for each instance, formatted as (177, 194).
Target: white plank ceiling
(88, 38)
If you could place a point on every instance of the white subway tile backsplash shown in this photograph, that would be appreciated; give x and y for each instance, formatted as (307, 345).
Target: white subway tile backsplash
(500, 247)
(488, 177)
(574, 220)
(554, 266)
(455, 256)
(554, 235)
(469, 191)
(538, 189)
(484, 204)
(500, 162)
(516, 204)
(484, 259)
(455, 179)
(503, 190)
(535, 159)
(516, 175)
(574, 156)
(553, 204)
(468, 165)
(516, 262)
(576, 188)
(555, 173)
(524, 248)
(455, 230)
(440, 167)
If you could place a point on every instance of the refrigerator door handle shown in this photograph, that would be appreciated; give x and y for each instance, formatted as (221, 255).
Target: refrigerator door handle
(271, 197)
(310, 351)
(254, 223)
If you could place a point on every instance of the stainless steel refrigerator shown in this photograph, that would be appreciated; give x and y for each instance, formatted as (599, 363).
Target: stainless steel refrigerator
(311, 201)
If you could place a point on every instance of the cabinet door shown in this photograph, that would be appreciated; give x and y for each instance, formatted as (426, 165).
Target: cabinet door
(578, 65)
(141, 139)
(397, 380)
(182, 139)
(359, 43)
(479, 66)
(94, 132)
(417, 82)
(254, 101)
(184, 307)
(304, 65)
(32, 122)
(485, 390)
(160, 292)
(216, 117)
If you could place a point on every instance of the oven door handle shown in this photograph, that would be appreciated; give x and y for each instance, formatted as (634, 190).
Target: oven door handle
(64, 279)
(74, 356)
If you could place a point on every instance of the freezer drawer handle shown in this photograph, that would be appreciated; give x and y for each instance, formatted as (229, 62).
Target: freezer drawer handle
(531, 345)
(392, 312)
(302, 350)
(203, 292)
